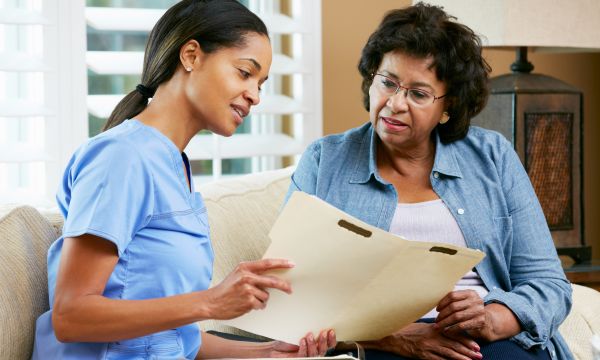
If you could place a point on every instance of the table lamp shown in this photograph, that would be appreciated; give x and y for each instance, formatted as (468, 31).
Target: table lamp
(541, 115)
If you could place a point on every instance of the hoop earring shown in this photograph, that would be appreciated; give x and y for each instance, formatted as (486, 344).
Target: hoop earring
(445, 118)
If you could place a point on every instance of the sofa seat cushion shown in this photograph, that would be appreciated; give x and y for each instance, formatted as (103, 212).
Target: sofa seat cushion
(25, 236)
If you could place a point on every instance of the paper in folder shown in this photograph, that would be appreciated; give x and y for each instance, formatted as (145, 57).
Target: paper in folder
(350, 276)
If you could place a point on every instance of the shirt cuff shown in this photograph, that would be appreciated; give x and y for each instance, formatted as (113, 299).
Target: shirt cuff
(534, 333)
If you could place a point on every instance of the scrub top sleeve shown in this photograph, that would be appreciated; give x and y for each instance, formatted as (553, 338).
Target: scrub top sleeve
(111, 192)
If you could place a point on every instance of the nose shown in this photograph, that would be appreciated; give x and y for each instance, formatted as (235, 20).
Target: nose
(398, 101)
(252, 96)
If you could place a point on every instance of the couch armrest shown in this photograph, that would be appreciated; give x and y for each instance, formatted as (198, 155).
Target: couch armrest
(583, 321)
(25, 235)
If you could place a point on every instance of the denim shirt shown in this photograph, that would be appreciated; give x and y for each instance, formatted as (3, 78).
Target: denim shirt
(484, 185)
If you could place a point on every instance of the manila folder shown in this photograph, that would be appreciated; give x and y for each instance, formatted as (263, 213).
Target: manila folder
(359, 280)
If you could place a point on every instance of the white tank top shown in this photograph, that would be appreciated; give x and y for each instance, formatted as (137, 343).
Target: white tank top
(432, 221)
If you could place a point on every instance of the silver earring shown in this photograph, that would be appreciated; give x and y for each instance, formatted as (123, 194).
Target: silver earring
(445, 118)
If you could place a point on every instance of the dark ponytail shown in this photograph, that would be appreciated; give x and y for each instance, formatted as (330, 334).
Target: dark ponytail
(215, 24)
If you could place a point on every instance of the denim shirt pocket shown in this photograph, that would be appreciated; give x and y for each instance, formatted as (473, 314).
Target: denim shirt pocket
(503, 233)
(503, 228)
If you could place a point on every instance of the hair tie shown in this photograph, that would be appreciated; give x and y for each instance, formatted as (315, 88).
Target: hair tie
(145, 91)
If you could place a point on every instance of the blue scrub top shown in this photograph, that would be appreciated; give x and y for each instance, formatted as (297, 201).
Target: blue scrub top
(127, 185)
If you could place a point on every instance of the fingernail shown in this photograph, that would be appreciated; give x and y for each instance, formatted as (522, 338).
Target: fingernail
(478, 355)
(476, 347)
(291, 263)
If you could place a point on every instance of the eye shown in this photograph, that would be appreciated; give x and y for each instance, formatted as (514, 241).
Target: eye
(244, 73)
(388, 83)
(419, 94)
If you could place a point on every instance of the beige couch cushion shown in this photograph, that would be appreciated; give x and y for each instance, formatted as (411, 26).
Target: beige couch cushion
(582, 322)
(241, 213)
(25, 236)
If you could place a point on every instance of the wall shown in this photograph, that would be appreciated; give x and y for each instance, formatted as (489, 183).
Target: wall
(346, 27)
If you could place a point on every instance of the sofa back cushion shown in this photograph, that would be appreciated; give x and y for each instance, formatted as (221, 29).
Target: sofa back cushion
(241, 212)
(25, 236)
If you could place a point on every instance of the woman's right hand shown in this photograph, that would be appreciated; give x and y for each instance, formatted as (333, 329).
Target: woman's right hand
(245, 288)
(422, 341)
(309, 346)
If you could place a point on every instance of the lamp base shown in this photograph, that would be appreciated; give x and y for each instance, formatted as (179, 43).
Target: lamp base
(521, 64)
(578, 254)
(542, 117)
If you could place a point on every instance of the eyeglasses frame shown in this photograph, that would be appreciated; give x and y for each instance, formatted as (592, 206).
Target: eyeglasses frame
(399, 86)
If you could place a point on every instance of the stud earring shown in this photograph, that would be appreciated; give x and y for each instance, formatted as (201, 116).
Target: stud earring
(445, 118)
(188, 69)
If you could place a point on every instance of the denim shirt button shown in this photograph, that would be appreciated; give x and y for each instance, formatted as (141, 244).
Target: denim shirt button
(460, 211)
(436, 174)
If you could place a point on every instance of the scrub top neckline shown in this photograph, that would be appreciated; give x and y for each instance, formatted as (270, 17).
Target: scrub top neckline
(189, 190)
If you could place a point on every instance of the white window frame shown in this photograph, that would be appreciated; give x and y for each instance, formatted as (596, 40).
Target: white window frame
(42, 96)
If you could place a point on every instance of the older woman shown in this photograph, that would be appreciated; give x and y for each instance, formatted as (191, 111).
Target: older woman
(418, 169)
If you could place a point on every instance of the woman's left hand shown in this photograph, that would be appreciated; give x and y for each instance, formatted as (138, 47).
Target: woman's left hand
(463, 312)
(309, 346)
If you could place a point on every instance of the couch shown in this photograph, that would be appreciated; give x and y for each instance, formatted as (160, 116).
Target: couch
(241, 212)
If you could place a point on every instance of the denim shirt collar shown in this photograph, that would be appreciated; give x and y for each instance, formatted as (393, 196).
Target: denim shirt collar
(445, 159)
(366, 163)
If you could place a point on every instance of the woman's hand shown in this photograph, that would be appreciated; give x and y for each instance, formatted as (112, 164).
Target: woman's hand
(245, 289)
(463, 313)
(309, 346)
(215, 347)
(422, 341)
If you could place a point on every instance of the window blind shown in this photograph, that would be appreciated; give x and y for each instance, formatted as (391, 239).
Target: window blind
(62, 62)
(289, 115)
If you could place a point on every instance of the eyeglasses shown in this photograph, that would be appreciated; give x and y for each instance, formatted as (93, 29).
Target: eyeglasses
(416, 97)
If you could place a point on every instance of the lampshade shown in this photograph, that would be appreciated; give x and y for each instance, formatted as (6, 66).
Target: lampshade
(551, 25)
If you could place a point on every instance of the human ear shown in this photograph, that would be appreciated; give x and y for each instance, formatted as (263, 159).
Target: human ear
(190, 55)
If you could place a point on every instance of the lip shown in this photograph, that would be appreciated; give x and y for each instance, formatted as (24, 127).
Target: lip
(239, 113)
(236, 117)
(242, 110)
(393, 124)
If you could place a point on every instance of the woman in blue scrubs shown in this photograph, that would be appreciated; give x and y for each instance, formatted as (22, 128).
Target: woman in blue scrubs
(129, 277)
